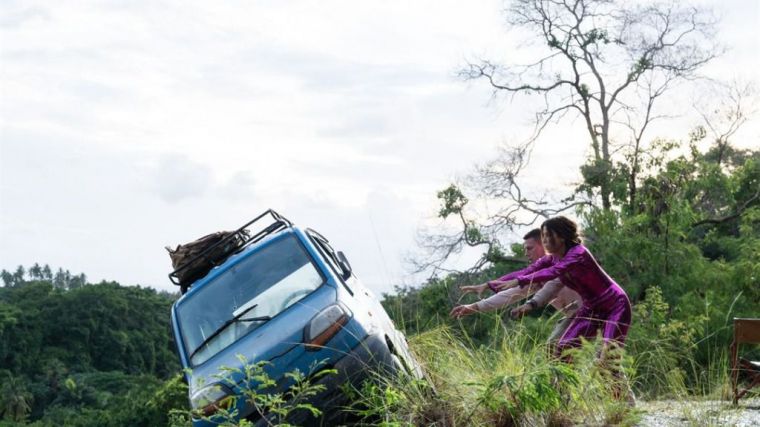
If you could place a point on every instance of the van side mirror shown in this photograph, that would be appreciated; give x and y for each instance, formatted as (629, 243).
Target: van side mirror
(344, 265)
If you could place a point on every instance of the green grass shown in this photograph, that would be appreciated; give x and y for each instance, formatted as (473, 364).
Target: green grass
(510, 379)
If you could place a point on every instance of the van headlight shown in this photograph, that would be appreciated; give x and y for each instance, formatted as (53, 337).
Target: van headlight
(209, 399)
(324, 326)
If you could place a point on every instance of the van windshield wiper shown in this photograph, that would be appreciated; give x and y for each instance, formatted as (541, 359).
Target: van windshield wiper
(236, 318)
(256, 319)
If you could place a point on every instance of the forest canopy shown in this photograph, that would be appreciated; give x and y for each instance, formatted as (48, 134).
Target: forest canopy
(74, 353)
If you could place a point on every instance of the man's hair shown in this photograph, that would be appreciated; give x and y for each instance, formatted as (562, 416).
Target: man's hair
(564, 228)
(533, 234)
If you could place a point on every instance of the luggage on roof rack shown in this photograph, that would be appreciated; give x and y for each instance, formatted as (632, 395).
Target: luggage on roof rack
(194, 260)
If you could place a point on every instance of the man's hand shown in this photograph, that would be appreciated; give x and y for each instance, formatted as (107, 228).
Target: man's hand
(463, 310)
(521, 311)
(474, 288)
(504, 285)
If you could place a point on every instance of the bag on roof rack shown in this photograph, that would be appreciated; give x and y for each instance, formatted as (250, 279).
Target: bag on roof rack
(194, 260)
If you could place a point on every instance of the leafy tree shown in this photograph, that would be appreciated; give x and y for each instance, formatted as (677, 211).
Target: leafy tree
(47, 274)
(15, 398)
(7, 277)
(61, 279)
(35, 272)
(18, 276)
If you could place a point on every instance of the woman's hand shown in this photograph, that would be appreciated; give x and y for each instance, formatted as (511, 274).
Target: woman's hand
(507, 284)
(521, 311)
(463, 310)
(474, 288)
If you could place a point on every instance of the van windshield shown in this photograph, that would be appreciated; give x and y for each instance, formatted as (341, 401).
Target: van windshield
(246, 296)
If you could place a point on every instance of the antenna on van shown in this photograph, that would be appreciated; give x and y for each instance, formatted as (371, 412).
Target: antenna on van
(379, 248)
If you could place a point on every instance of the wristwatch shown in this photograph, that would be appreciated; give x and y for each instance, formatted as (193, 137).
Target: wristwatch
(532, 303)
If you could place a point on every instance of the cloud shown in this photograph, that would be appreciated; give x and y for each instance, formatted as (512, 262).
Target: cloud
(172, 120)
(176, 178)
(17, 14)
(240, 186)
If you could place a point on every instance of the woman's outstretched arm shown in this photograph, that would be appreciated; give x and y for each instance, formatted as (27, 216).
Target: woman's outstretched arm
(498, 284)
(572, 260)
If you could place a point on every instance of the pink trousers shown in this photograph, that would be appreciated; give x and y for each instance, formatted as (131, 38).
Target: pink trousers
(610, 312)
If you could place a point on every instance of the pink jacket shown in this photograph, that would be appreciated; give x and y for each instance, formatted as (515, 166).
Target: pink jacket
(578, 270)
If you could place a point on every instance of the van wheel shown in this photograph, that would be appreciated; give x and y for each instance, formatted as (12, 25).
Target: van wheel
(398, 365)
(401, 363)
(398, 361)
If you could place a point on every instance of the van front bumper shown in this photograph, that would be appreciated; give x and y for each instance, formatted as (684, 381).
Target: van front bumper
(370, 360)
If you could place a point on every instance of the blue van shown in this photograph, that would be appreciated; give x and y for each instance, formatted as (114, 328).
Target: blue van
(288, 298)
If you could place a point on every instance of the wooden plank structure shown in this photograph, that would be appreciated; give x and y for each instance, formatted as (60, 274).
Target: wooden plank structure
(746, 331)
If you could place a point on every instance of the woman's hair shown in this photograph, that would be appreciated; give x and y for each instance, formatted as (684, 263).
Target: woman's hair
(564, 228)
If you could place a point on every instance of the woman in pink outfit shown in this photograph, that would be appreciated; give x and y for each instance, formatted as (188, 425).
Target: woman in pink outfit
(605, 304)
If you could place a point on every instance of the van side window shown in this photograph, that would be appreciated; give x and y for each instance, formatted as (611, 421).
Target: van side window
(331, 258)
(329, 254)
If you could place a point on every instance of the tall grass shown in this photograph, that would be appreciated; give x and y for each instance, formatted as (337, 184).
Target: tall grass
(509, 378)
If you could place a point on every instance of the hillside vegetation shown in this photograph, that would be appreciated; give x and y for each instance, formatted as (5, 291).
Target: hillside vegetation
(687, 254)
(81, 354)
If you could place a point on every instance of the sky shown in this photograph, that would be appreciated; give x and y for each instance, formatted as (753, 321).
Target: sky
(128, 126)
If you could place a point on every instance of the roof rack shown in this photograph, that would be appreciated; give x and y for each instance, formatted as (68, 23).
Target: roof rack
(242, 234)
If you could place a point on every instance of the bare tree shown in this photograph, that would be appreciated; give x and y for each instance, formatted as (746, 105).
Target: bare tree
(440, 246)
(499, 206)
(607, 62)
(730, 107)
